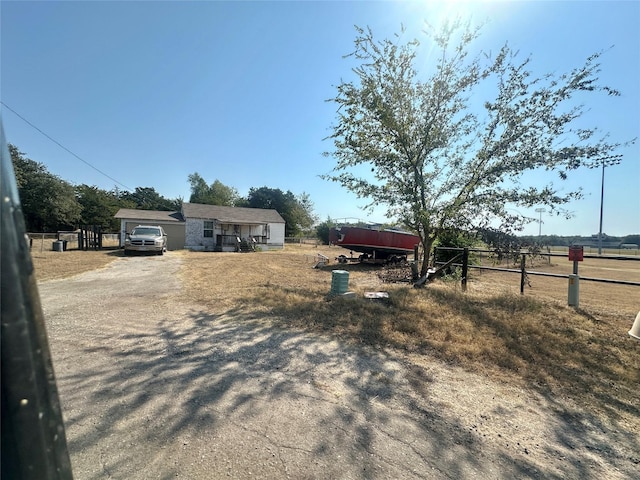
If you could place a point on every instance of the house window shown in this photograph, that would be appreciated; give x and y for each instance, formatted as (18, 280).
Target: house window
(208, 229)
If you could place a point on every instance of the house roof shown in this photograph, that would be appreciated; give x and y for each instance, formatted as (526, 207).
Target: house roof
(149, 215)
(239, 215)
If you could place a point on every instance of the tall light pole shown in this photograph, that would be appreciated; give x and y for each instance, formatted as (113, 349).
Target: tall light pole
(601, 208)
(540, 211)
(606, 162)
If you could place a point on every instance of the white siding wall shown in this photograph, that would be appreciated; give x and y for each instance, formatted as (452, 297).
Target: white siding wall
(276, 235)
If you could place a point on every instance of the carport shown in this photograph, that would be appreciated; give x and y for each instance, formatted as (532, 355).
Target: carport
(172, 222)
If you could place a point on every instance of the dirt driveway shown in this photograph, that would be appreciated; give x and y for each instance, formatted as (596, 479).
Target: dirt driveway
(152, 388)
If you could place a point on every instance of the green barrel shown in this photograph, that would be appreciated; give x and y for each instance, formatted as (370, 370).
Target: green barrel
(339, 282)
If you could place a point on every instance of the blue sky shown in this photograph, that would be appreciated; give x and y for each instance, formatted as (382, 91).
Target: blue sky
(150, 92)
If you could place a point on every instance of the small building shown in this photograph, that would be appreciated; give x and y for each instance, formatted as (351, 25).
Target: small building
(172, 222)
(222, 229)
(211, 227)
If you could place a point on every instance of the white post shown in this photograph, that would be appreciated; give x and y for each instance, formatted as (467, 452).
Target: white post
(574, 290)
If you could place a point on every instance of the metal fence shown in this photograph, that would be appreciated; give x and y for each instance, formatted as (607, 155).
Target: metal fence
(44, 241)
(302, 240)
(511, 257)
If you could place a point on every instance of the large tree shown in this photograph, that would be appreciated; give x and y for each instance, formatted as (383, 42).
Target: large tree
(449, 151)
(48, 202)
(323, 229)
(297, 211)
(215, 194)
(146, 198)
(99, 206)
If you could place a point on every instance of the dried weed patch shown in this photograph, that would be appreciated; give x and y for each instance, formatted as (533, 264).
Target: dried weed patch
(533, 340)
(50, 265)
(585, 355)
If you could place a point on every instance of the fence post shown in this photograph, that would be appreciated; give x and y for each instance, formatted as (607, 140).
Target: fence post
(523, 273)
(465, 268)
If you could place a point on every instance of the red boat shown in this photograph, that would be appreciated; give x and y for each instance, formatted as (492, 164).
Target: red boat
(374, 244)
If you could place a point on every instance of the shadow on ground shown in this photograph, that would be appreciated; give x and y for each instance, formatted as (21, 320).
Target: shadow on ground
(253, 398)
(231, 394)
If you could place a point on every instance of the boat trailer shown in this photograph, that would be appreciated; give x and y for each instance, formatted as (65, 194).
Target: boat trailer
(367, 258)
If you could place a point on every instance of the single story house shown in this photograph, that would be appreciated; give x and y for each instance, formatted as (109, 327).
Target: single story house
(210, 227)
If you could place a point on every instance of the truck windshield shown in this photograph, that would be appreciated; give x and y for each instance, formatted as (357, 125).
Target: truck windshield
(146, 231)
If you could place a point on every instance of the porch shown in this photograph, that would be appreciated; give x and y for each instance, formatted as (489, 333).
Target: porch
(234, 243)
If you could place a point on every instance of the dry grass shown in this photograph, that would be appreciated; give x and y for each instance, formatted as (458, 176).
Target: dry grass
(533, 340)
(538, 341)
(50, 265)
(621, 300)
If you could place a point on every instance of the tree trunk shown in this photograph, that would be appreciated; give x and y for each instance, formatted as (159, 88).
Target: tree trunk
(426, 252)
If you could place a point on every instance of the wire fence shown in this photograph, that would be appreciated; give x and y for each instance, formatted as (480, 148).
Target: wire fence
(302, 240)
(41, 242)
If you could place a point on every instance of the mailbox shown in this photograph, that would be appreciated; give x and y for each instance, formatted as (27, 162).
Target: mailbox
(576, 253)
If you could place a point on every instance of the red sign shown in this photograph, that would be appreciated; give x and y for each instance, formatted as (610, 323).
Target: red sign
(576, 253)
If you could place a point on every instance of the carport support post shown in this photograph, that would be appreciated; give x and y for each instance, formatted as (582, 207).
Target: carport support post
(465, 268)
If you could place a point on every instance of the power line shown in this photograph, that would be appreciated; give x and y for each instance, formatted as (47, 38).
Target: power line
(63, 147)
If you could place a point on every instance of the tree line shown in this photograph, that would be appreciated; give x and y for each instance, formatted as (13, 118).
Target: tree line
(51, 204)
(560, 241)
(296, 210)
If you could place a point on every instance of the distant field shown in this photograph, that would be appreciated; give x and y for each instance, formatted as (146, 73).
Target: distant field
(612, 298)
(628, 252)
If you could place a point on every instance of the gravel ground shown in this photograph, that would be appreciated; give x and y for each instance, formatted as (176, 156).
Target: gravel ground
(153, 388)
